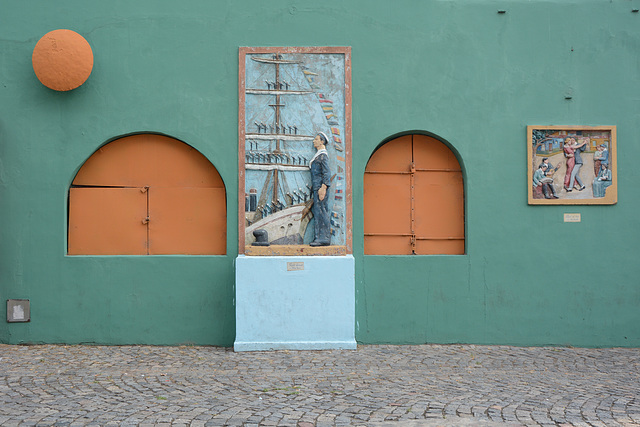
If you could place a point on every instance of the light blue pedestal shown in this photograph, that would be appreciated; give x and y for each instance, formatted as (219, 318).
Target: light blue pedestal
(295, 303)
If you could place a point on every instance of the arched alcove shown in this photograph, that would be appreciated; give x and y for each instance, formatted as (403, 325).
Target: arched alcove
(147, 194)
(413, 199)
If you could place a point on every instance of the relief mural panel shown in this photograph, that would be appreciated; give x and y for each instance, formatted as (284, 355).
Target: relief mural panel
(572, 165)
(288, 98)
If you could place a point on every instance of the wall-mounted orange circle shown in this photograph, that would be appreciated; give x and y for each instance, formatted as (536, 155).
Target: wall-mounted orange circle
(62, 60)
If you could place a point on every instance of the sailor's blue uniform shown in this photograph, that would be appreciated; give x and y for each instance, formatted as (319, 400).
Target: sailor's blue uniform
(320, 175)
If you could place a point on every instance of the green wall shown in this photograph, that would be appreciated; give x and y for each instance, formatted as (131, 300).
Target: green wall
(456, 69)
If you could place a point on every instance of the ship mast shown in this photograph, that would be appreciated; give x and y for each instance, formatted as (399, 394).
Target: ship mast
(274, 199)
(279, 133)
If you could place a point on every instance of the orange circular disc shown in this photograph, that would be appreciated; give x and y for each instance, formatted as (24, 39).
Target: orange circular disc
(62, 60)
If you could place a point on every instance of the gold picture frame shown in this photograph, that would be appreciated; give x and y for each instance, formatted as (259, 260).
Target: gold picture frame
(572, 165)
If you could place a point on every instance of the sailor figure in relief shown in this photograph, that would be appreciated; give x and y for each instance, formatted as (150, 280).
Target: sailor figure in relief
(320, 182)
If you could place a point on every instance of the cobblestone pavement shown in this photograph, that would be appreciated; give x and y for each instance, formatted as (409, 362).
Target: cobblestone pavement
(425, 385)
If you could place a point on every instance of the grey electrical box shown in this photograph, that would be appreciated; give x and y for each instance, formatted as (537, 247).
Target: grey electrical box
(18, 310)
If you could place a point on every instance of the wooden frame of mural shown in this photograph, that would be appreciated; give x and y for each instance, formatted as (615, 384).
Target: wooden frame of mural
(572, 165)
(287, 96)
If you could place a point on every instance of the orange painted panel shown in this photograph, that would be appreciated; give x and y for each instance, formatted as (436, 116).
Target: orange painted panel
(439, 204)
(107, 221)
(148, 160)
(438, 198)
(394, 156)
(429, 153)
(387, 245)
(440, 247)
(387, 203)
(187, 221)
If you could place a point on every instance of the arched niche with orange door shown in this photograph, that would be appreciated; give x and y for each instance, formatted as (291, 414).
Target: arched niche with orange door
(147, 194)
(413, 199)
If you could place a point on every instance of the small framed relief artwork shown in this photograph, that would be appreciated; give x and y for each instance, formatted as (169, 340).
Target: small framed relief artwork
(572, 165)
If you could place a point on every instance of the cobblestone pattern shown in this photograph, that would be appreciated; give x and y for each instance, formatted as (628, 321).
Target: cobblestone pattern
(209, 386)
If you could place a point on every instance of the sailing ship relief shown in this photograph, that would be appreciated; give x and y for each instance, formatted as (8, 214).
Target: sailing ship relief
(289, 97)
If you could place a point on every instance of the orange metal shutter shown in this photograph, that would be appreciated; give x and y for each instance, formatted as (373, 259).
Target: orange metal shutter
(107, 221)
(414, 193)
(387, 199)
(187, 221)
(148, 160)
(439, 198)
(185, 200)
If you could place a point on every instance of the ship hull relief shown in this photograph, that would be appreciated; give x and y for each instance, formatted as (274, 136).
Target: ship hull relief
(288, 96)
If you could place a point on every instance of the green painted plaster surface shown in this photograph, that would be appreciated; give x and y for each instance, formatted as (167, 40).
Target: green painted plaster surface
(456, 69)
